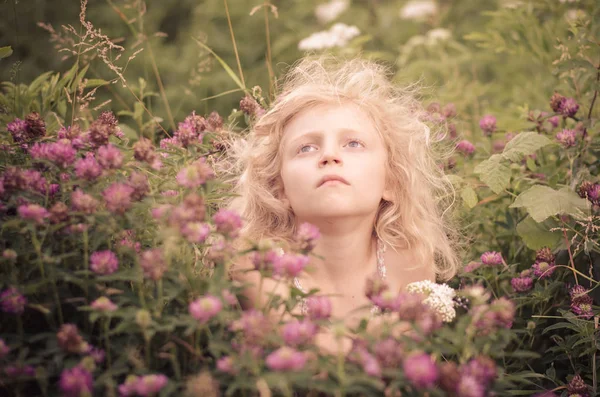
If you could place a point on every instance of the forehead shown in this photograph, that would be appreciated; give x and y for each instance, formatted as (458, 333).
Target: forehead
(329, 117)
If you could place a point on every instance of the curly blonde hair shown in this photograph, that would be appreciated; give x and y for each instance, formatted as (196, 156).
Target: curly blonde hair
(418, 215)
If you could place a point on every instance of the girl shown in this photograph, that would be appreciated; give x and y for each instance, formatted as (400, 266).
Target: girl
(345, 150)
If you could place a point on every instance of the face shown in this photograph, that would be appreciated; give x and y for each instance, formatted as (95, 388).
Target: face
(333, 164)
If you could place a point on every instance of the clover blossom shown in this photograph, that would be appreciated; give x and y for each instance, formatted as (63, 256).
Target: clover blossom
(465, 147)
(109, 157)
(33, 212)
(286, 359)
(567, 138)
(227, 222)
(420, 370)
(319, 307)
(488, 124)
(104, 262)
(88, 168)
(296, 332)
(117, 197)
(205, 308)
(76, 382)
(103, 304)
(491, 258)
(307, 236)
(12, 301)
(153, 263)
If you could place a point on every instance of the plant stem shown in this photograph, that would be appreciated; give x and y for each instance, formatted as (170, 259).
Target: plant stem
(272, 80)
(106, 342)
(570, 255)
(237, 56)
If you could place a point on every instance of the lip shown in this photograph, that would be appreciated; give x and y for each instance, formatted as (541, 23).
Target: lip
(332, 177)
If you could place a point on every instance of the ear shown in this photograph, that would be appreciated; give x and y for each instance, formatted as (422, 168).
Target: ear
(387, 195)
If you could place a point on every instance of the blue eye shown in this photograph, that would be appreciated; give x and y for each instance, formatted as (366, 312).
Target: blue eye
(355, 141)
(303, 147)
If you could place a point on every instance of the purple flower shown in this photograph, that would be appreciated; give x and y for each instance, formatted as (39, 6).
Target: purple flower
(153, 263)
(567, 138)
(18, 130)
(118, 197)
(76, 382)
(4, 349)
(290, 265)
(128, 388)
(319, 307)
(104, 262)
(569, 107)
(387, 300)
(472, 266)
(482, 368)
(581, 302)
(166, 142)
(225, 364)
(205, 308)
(83, 202)
(307, 236)
(60, 153)
(33, 212)
(34, 181)
(488, 124)
(109, 157)
(139, 183)
(15, 371)
(554, 120)
(420, 370)
(465, 147)
(491, 258)
(96, 354)
(468, 386)
(150, 385)
(577, 387)
(521, 284)
(195, 175)
(196, 232)
(228, 222)
(543, 269)
(296, 332)
(12, 301)
(103, 304)
(369, 363)
(286, 359)
(229, 297)
(264, 261)
(88, 168)
(253, 324)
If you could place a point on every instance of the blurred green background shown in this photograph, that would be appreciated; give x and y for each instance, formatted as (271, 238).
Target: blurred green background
(481, 54)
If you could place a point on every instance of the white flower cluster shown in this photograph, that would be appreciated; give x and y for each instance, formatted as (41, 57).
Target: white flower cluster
(439, 297)
(434, 36)
(337, 36)
(327, 12)
(418, 9)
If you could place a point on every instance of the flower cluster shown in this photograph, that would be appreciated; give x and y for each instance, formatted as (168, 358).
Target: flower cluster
(328, 12)
(581, 302)
(568, 107)
(339, 35)
(440, 297)
(147, 385)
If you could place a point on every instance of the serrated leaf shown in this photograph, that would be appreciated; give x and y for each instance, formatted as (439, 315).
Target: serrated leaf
(469, 196)
(494, 173)
(535, 235)
(542, 202)
(5, 52)
(524, 144)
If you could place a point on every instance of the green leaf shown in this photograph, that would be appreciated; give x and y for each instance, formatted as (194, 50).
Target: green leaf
(524, 144)
(535, 235)
(5, 52)
(469, 196)
(229, 71)
(95, 83)
(494, 173)
(542, 202)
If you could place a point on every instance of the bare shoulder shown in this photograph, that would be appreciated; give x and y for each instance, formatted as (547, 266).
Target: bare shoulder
(403, 268)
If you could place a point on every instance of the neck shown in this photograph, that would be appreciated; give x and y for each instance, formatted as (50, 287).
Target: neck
(347, 249)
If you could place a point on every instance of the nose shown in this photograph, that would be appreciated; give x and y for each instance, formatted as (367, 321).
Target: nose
(330, 155)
